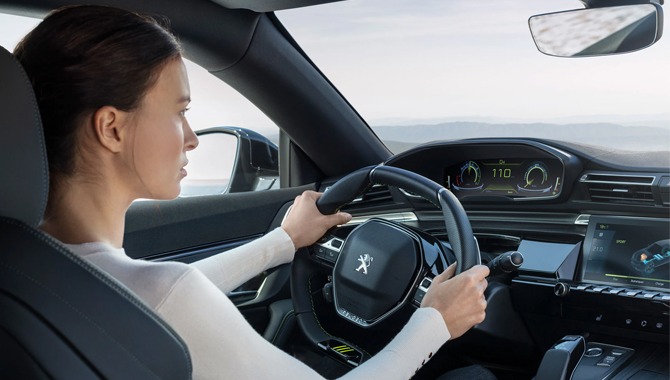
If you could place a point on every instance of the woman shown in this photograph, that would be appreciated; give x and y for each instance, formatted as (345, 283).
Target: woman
(113, 93)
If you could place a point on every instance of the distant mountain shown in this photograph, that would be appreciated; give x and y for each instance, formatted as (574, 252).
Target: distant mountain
(399, 138)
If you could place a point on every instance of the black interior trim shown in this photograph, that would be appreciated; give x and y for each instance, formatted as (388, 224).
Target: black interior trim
(287, 88)
(69, 331)
(157, 227)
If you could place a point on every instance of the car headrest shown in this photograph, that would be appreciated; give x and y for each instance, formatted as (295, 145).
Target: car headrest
(24, 172)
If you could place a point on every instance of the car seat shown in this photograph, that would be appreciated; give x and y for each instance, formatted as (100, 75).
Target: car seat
(61, 317)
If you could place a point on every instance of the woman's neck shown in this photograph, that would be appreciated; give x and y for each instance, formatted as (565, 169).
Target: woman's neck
(82, 212)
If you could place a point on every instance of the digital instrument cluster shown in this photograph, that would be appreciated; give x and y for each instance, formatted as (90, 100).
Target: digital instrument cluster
(508, 177)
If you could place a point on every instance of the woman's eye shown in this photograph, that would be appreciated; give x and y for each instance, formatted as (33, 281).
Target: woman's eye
(183, 112)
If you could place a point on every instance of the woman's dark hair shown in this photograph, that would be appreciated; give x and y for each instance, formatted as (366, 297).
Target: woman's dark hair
(85, 57)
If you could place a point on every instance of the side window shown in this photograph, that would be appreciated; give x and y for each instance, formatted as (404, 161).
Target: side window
(13, 28)
(238, 148)
(238, 143)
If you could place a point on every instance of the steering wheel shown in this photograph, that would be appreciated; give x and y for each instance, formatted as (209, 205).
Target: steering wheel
(382, 266)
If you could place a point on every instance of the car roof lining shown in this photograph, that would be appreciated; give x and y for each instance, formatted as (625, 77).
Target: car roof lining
(213, 45)
(270, 5)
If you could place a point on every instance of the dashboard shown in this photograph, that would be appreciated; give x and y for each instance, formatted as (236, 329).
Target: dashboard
(574, 220)
(593, 226)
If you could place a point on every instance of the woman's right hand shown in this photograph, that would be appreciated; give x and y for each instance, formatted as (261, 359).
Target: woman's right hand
(305, 224)
(460, 299)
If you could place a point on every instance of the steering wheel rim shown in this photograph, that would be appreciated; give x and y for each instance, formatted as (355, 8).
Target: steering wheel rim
(456, 220)
(458, 227)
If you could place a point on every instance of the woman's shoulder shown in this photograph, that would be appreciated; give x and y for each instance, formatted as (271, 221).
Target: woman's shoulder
(152, 281)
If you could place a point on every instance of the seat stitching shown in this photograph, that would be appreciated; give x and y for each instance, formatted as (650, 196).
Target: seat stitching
(37, 124)
(283, 322)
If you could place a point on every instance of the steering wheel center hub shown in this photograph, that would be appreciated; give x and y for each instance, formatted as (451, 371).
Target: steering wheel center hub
(374, 274)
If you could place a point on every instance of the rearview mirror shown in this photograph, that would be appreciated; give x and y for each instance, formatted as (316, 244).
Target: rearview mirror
(597, 31)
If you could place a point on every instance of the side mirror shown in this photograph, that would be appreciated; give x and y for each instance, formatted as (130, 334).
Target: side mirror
(231, 160)
(597, 31)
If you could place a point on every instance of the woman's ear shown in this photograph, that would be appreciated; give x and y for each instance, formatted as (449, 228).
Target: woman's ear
(110, 125)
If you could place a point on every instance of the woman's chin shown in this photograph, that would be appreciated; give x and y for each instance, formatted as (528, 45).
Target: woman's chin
(165, 194)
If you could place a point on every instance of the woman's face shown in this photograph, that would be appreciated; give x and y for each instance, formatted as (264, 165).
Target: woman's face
(162, 136)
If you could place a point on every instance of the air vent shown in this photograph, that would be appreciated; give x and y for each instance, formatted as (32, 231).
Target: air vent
(376, 195)
(622, 189)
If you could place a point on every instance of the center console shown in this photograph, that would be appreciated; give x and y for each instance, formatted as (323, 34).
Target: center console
(613, 289)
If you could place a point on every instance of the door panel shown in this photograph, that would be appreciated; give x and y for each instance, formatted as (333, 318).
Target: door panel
(201, 226)
(189, 229)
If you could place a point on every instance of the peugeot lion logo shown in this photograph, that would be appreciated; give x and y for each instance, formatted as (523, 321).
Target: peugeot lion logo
(365, 260)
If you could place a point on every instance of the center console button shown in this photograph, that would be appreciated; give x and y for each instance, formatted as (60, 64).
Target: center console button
(630, 293)
(425, 283)
(596, 289)
(607, 361)
(628, 322)
(593, 352)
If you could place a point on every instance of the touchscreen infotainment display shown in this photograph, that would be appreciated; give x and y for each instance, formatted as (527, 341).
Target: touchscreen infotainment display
(628, 252)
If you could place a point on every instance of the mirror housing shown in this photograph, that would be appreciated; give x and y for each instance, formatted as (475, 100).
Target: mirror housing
(255, 163)
(597, 31)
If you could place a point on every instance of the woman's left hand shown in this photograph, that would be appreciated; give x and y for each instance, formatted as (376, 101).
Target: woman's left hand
(305, 224)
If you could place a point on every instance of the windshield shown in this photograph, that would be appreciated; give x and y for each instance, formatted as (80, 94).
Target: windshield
(445, 70)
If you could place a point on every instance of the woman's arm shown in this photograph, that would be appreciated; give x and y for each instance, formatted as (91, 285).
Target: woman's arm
(303, 226)
(223, 345)
(230, 269)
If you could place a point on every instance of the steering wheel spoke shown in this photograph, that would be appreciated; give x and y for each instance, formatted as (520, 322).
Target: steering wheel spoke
(327, 249)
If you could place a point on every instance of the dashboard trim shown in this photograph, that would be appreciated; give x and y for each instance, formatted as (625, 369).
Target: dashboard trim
(402, 217)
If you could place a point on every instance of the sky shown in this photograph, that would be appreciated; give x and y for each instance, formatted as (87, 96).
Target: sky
(403, 62)
(470, 59)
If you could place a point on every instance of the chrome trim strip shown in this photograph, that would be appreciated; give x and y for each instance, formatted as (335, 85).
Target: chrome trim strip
(502, 216)
(329, 244)
(212, 250)
(586, 178)
(484, 235)
(407, 193)
(619, 183)
(479, 253)
(256, 293)
(401, 217)
(583, 220)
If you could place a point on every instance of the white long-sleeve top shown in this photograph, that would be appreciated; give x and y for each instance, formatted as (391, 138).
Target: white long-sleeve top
(192, 300)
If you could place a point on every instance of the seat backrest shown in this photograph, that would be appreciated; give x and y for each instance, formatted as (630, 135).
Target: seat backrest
(61, 317)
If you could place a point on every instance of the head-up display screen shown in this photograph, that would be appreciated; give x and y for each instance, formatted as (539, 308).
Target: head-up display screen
(627, 252)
